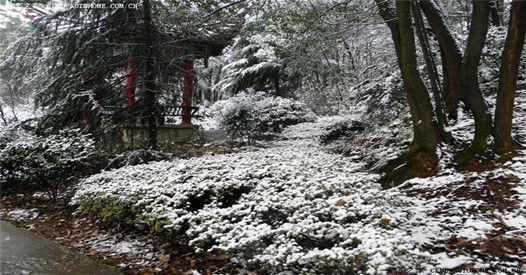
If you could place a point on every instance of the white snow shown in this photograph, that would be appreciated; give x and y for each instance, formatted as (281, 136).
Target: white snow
(449, 263)
(139, 249)
(23, 214)
(289, 205)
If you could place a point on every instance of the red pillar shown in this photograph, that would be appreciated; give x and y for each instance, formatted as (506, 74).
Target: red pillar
(187, 92)
(130, 81)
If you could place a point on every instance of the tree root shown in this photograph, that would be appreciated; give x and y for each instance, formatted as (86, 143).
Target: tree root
(411, 164)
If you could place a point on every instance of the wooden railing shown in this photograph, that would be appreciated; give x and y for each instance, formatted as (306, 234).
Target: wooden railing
(178, 111)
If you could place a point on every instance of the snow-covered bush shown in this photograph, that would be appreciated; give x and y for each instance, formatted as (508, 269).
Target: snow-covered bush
(248, 116)
(135, 157)
(237, 117)
(380, 101)
(380, 104)
(14, 133)
(46, 161)
(341, 128)
(290, 207)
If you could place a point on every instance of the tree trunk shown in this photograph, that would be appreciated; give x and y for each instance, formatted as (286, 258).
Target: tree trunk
(149, 79)
(421, 159)
(431, 68)
(509, 69)
(471, 92)
(450, 55)
(425, 129)
(425, 136)
(277, 87)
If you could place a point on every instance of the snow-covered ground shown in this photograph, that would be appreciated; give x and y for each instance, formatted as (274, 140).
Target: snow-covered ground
(22, 214)
(139, 250)
(20, 113)
(291, 205)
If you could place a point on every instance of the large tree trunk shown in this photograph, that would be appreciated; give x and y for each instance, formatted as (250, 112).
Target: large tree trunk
(389, 16)
(425, 128)
(431, 68)
(149, 79)
(421, 160)
(451, 57)
(471, 92)
(509, 68)
(425, 136)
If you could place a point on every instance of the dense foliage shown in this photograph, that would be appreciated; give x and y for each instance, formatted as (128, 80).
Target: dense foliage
(251, 63)
(135, 157)
(46, 162)
(251, 115)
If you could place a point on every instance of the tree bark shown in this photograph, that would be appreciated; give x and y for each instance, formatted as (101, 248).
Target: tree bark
(451, 57)
(425, 133)
(149, 79)
(509, 70)
(430, 67)
(471, 92)
(424, 125)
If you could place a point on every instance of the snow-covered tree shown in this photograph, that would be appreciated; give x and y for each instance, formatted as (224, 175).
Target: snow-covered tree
(251, 63)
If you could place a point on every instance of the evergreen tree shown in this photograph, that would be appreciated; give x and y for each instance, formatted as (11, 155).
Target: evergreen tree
(251, 63)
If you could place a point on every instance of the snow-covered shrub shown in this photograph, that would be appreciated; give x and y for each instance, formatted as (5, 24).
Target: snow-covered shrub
(340, 128)
(135, 157)
(47, 161)
(381, 104)
(17, 132)
(237, 117)
(290, 207)
(248, 116)
(381, 101)
(275, 113)
(109, 209)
